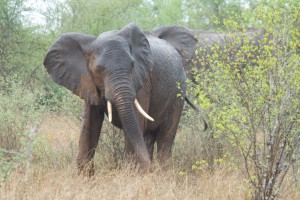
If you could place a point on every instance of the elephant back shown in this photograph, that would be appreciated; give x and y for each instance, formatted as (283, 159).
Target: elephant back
(168, 73)
(167, 61)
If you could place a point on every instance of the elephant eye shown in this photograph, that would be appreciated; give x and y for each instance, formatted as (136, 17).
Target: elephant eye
(101, 69)
(96, 67)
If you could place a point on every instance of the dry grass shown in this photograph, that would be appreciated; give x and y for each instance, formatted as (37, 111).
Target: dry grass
(52, 175)
(41, 183)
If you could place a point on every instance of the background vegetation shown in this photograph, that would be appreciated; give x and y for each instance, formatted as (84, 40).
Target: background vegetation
(251, 149)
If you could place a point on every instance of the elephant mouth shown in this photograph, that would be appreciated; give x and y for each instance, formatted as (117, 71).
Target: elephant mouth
(137, 105)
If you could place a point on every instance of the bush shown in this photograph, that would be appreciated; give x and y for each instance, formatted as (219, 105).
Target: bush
(55, 98)
(192, 142)
(251, 93)
(18, 123)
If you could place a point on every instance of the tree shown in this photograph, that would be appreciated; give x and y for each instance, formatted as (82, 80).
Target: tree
(20, 60)
(21, 48)
(206, 14)
(92, 16)
(10, 24)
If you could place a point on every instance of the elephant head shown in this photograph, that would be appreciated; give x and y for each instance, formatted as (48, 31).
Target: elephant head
(106, 70)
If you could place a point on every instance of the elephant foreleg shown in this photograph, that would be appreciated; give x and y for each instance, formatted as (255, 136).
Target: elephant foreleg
(150, 140)
(91, 126)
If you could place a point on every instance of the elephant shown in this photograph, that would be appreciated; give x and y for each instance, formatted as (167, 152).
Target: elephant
(130, 75)
(195, 39)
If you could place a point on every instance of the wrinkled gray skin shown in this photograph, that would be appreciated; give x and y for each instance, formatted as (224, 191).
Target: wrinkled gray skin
(195, 39)
(120, 66)
(184, 40)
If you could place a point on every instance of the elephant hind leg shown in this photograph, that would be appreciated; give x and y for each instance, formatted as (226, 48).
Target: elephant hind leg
(166, 133)
(165, 142)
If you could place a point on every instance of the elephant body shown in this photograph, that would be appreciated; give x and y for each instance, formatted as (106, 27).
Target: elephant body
(116, 73)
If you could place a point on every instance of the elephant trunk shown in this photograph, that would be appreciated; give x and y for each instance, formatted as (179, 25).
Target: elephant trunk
(134, 134)
(123, 98)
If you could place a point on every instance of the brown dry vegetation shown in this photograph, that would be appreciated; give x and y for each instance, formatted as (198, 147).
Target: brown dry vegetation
(43, 183)
(51, 174)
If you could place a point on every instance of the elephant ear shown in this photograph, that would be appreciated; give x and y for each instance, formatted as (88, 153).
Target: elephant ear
(181, 38)
(140, 51)
(66, 62)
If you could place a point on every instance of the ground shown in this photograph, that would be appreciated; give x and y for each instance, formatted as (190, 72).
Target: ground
(51, 174)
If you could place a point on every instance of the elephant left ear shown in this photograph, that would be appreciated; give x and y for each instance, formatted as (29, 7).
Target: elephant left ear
(181, 38)
(140, 51)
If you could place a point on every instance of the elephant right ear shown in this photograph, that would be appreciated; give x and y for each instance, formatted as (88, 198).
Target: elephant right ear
(66, 62)
(182, 38)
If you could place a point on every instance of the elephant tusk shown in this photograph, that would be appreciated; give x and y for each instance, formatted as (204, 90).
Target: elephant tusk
(109, 110)
(140, 109)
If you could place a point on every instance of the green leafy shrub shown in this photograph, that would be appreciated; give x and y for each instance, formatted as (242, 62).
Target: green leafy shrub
(18, 123)
(192, 142)
(56, 98)
(251, 93)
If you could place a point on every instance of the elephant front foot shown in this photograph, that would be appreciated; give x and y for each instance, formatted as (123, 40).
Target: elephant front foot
(85, 168)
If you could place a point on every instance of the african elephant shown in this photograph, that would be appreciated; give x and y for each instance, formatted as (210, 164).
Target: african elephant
(135, 78)
(194, 40)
